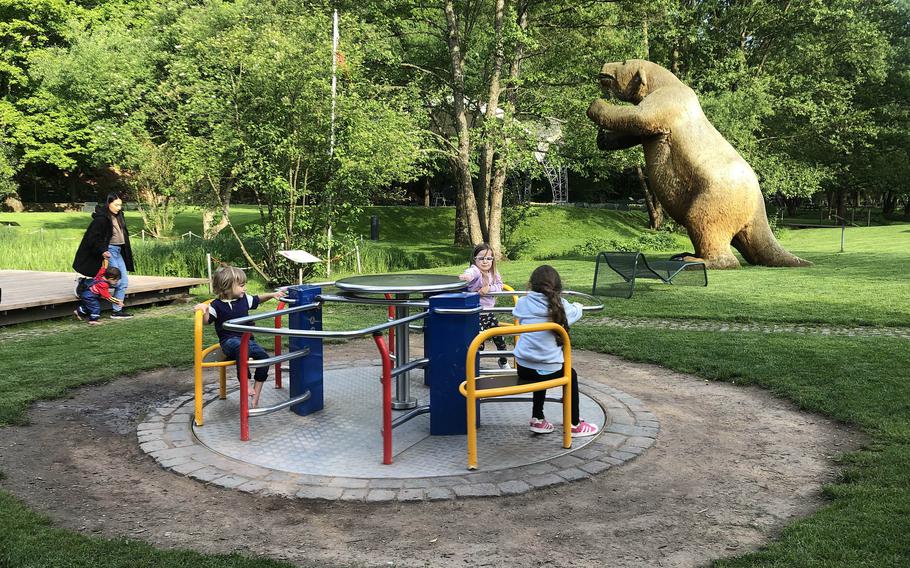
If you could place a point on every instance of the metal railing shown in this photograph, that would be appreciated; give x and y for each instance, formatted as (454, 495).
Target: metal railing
(246, 326)
(242, 325)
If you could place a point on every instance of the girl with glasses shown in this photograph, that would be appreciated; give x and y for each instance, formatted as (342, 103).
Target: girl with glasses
(483, 278)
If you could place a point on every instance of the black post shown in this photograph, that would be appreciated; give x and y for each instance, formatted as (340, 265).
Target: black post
(374, 228)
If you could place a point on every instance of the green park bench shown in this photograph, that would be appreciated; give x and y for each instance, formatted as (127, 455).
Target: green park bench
(630, 266)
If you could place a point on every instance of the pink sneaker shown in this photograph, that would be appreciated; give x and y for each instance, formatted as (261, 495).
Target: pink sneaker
(541, 426)
(584, 429)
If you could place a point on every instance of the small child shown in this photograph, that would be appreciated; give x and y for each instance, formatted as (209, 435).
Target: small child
(94, 288)
(483, 278)
(539, 354)
(232, 302)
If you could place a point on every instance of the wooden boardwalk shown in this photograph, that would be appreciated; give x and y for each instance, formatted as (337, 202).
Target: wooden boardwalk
(26, 295)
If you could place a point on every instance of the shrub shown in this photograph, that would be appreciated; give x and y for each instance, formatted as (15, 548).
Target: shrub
(656, 241)
(659, 240)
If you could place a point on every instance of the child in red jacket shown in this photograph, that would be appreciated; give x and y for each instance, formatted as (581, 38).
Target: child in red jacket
(94, 288)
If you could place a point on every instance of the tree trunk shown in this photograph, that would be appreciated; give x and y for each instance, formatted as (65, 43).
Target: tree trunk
(462, 159)
(496, 192)
(841, 200)
(655, 211)
(889, 202)
(674, 59)
(223, 195)
(426, 191)
(73, 179)
(644, 37)
(907, 208)
(488, 149)
(792, 205)
(462, 237)
(501, 170)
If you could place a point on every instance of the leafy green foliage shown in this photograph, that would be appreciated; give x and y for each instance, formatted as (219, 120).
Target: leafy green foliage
(7, 169)
(654, 240)
(250, 93)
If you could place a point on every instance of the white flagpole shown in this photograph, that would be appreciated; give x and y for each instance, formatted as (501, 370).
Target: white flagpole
(328, 266)
(334, 78)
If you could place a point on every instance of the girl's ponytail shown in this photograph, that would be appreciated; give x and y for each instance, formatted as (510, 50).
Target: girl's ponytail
(546, 281)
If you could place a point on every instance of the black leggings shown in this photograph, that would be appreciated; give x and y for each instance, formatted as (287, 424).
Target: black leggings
(528, 375)
(489, 321)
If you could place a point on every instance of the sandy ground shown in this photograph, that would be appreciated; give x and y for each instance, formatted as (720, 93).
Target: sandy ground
(730, 468)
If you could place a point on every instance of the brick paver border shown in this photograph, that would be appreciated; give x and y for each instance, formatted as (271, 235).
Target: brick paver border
(166, 435)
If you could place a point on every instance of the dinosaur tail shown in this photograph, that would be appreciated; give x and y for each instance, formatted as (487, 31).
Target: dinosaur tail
(758, 245)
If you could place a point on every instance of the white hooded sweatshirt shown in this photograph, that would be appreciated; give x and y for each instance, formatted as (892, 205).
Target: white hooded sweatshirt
(538, 350)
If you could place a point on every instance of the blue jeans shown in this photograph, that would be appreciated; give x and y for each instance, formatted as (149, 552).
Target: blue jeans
(90, 305)
(231, 349)
(119, 291)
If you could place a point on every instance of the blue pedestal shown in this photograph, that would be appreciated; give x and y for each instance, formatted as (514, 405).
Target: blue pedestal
(306, 372)
(446, 340)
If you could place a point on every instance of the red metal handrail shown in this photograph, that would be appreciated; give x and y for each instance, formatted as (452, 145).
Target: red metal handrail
(243, 370)
(386, 398)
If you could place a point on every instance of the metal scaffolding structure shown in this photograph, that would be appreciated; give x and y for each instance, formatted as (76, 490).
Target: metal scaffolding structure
(558, 176)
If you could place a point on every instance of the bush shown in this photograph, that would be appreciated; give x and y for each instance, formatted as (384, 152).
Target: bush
(660, 241)
(184, 257)
(656, 241)
(517, 248)
(594, 245)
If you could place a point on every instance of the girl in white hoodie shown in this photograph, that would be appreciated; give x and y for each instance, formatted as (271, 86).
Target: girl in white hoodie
(539, 354)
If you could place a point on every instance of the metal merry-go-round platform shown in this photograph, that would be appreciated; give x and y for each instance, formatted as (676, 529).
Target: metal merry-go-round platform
(332, 437)
(343, 439)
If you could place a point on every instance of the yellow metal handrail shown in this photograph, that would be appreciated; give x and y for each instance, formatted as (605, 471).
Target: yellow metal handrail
(199, 363)
(507, 288)
(469, 387)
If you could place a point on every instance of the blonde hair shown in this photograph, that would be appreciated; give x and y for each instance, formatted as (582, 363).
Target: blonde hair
(225, 279)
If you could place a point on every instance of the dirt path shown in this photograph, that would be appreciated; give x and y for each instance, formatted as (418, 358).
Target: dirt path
(730, 468)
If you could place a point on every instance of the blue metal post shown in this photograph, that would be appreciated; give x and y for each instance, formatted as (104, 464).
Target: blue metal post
(306, 372)
(446, 340)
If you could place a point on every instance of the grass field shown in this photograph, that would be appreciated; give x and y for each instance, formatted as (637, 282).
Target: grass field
(857, 380)
(410, 238)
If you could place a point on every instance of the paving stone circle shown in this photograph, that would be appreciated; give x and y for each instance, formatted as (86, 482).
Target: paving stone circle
(213, 453)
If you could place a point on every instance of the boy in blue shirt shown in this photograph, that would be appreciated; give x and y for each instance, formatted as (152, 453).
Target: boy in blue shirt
(232, 302)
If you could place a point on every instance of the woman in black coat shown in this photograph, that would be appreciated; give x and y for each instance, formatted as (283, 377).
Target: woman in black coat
(107, 237)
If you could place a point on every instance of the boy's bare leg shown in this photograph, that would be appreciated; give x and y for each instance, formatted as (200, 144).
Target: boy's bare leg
(257, 390)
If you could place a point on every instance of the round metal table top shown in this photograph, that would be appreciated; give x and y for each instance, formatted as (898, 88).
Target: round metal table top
(401, 284)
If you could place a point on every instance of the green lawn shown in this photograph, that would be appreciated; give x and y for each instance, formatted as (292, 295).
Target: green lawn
(74, 224)
(865, 285)
(856, 380)
(860, 381)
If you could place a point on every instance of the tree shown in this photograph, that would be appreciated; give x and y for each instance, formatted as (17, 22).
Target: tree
(41, 126)
(249, 85)
(482, 71)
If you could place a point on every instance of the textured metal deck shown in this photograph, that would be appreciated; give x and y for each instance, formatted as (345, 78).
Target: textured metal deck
(343, 440)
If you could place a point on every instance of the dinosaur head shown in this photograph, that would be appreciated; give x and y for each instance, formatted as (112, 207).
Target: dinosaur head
(626, 80)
